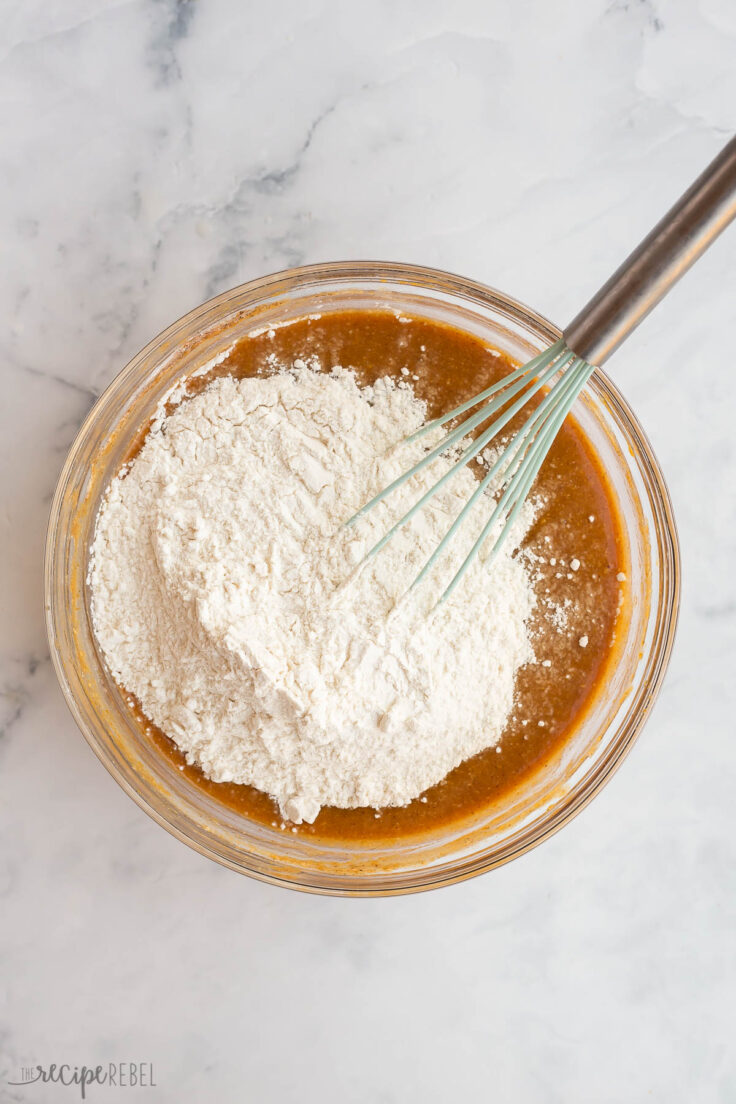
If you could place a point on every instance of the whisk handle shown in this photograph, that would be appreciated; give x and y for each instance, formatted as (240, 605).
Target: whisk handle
(658, 262)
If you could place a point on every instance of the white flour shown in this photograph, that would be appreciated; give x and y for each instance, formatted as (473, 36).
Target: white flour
(226, 596)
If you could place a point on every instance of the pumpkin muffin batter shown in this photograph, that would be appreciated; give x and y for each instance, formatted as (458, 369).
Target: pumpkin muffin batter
(574, 552)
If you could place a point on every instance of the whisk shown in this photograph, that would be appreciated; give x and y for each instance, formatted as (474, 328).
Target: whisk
(602, 325)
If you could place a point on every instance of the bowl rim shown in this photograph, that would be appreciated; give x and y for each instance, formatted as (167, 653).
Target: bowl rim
(425, 277)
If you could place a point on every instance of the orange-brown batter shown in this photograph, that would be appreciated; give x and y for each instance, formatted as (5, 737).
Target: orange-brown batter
(578, 521)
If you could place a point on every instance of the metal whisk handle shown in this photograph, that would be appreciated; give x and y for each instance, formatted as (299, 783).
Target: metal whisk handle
(658, 262)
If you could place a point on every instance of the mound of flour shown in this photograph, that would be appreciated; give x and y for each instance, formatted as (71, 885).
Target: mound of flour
(228, 599)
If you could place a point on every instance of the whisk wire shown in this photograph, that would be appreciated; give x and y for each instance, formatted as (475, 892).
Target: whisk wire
(520, 483)
(518, 463)
(507, 460)
(470, 452)
(451, 437)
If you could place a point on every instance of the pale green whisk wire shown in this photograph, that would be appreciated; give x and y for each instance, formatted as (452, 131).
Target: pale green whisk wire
(518, 463)
(506, 460)
(470, 452)
(521, 482)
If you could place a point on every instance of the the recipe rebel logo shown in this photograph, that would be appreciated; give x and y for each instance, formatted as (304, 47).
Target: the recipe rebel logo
(119, 1075)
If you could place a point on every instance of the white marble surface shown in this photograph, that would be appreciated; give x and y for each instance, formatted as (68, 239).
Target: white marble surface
(153, 154)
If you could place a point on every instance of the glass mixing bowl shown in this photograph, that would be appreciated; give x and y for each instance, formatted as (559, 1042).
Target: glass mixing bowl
(540, 806)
